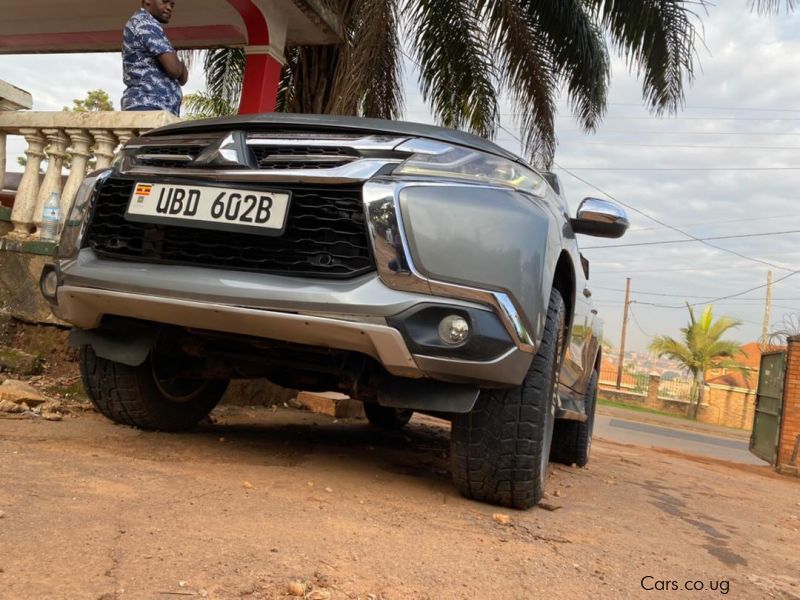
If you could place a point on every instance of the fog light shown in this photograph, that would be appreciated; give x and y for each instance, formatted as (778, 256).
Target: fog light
(50, 285)
(453, 330)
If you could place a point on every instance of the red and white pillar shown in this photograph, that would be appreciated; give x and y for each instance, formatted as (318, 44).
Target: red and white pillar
(266, 39)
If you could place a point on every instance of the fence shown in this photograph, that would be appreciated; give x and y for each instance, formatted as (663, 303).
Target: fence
(638, 382)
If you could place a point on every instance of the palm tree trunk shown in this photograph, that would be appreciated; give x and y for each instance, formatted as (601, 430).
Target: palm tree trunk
(699, 395)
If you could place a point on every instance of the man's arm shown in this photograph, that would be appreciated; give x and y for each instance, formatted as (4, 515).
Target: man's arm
(174, 67)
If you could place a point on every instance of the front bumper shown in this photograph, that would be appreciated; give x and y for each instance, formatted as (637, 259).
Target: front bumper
(350, 315)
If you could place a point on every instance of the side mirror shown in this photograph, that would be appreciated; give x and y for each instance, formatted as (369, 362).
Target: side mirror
(600, 218)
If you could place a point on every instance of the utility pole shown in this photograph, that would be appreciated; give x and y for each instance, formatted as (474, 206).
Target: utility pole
(624, 332)
(767, 310)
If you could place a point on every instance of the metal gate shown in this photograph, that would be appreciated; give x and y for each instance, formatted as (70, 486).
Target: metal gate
(769, 402)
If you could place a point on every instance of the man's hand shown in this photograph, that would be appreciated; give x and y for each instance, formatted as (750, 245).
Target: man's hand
(174, 67)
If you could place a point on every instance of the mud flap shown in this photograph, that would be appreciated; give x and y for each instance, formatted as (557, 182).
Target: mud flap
(426, 394)
(125, 342)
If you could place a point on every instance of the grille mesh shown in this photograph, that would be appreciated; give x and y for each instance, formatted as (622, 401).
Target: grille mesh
(325, 236)
(193, 151)
(302, 157)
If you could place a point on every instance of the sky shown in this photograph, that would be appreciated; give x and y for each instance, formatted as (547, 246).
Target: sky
(727, 165)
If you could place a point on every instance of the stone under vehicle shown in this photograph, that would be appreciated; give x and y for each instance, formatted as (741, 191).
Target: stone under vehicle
(413, 267)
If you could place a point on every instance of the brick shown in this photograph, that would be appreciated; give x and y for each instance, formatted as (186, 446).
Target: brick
(333, 404)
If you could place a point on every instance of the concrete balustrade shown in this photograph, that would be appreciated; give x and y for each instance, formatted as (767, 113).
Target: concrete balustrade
(64, 138)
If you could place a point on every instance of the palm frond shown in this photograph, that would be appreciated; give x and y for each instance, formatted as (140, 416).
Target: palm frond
(658, 38)
(376, 70)
(457, 69)
(765, 7)
(202, 105)
(578, 51)
(527, 73)
(224, 69)
(286, 85)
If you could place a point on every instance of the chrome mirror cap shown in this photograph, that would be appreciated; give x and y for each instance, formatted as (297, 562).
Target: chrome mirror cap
(600, 218)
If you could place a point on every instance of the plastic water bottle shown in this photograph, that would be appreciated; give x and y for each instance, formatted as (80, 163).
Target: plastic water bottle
(51, 219)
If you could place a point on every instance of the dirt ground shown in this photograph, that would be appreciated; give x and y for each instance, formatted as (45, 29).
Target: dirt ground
(263, 503)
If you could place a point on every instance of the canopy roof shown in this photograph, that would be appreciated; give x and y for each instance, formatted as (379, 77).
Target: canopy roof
(32, 26)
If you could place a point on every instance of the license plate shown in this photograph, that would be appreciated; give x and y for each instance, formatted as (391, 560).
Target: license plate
(206, 207)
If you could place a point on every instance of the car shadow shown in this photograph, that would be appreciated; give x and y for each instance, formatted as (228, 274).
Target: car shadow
(291, 437)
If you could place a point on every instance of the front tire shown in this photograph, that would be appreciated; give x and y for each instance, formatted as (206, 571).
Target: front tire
(500, 450)
(138, 397)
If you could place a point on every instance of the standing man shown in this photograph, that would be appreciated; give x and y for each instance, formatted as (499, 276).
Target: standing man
(152, 72)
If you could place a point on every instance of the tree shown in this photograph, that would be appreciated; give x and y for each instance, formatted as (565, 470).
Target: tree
(700, 349)
(470, 52)
(95, 101)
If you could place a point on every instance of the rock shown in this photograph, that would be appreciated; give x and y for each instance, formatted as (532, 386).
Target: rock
(550, 507)
(20, 362)
(52, 416)
(336, 405)
(297, 589)
(2, 514)
(502, 519)
(247, 485)
(319, 595)
(557, 493)
(19, 392)
(329, 490)
(7, 406)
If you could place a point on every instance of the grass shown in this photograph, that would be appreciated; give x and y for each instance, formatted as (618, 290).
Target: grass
(641, 409)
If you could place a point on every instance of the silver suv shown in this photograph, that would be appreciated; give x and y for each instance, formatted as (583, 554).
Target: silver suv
(413, 267)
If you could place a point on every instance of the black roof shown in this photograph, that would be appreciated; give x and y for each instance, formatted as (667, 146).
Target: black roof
(335, 123)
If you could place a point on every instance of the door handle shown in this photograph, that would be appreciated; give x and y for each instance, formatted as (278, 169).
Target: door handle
(587, 292)
(594, 311)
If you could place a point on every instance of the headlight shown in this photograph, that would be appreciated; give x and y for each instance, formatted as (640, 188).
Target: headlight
(435, 159)
(75, 223)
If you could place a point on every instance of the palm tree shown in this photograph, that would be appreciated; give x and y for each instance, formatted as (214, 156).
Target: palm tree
(700, 349)
(470, 52)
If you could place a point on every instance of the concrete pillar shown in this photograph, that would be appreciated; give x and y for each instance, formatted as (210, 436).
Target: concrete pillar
(104, 145)
(80, 142)
(262, 75)
(28, 191)
(789, 440)
(653, 383)
(123, 135)
(56, 151)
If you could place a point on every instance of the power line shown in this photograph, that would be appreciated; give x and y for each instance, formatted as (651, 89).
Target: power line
(720, 237)
(698, 146)
(689, 235)
(681, 168)
(670, 132)
(758, 287)
(600, 287)
(728, 108)
(638, 325)
(720, 222)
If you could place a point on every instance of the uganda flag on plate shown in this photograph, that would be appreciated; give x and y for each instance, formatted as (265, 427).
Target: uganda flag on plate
(143, 190)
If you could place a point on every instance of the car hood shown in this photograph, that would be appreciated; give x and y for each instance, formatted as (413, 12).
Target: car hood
(334, 123)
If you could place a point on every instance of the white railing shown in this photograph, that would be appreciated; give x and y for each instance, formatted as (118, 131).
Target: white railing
(54, 136)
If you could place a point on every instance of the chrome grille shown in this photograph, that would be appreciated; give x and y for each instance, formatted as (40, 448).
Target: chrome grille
(325, 235)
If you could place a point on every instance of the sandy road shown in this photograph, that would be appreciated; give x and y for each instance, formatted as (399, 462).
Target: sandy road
(260, 499)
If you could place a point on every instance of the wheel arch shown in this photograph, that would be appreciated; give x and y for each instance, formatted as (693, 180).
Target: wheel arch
(564, 282)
